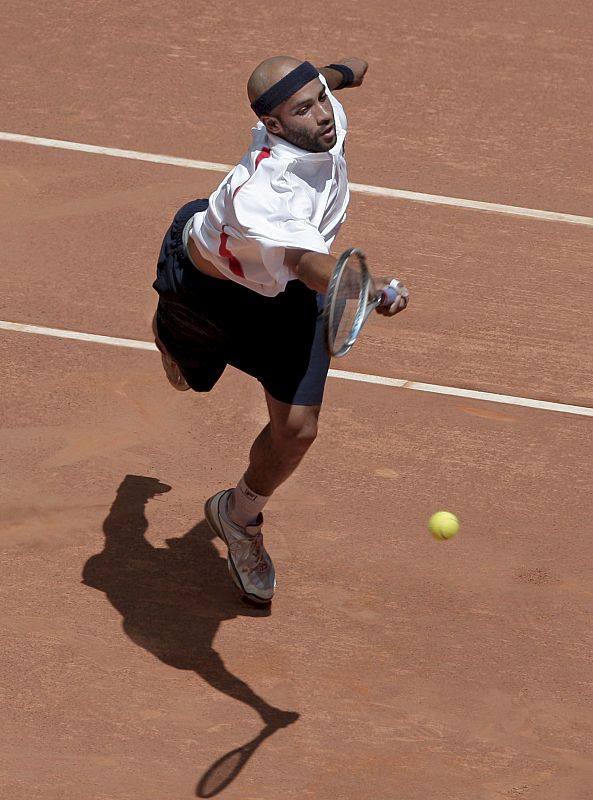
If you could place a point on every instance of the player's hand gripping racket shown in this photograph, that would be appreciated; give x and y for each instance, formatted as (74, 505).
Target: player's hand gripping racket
(351, 296)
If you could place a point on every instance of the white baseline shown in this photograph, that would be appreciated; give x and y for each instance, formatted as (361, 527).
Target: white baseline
(378, 191)
(542, 405)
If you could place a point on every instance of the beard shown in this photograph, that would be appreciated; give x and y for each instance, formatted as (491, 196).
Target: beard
(312, 142)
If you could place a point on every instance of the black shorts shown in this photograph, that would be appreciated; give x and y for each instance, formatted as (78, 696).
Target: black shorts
(206, 323)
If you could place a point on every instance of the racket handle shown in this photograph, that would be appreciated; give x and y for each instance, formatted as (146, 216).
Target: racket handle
(389, 293)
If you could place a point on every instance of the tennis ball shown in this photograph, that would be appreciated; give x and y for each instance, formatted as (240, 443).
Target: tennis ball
(443, 525)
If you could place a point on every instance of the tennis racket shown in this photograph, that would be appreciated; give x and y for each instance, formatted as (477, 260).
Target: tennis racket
(351, 296)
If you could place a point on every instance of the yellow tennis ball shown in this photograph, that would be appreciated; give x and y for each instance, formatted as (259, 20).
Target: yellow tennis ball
(443, 525)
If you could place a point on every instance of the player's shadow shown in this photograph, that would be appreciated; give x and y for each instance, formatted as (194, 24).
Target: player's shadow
(172, 601)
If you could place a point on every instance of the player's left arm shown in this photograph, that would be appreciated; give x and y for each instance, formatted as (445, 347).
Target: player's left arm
(334, 77)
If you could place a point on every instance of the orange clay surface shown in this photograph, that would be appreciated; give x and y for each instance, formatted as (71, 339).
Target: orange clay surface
(131, 669)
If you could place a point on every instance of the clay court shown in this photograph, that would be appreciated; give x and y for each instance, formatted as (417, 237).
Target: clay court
(131, 669)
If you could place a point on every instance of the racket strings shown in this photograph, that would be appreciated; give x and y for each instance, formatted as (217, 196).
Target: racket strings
(350, 297)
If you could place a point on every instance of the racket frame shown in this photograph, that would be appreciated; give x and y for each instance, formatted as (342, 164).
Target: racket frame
(362, 311)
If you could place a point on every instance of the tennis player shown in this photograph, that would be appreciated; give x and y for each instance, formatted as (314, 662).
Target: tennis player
(241, 279)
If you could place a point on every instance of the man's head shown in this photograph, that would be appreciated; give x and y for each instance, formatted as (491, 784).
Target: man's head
(303, 115)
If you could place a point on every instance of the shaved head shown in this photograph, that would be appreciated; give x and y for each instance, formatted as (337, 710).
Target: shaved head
(268, 73)
(291, 101)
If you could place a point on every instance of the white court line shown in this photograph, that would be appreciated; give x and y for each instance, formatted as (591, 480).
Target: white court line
(378, 191)
(398, 383)
(20, 327)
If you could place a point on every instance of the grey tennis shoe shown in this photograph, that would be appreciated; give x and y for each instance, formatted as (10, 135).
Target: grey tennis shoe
(249, 564)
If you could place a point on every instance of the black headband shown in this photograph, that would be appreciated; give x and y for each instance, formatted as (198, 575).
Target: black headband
(284, 88)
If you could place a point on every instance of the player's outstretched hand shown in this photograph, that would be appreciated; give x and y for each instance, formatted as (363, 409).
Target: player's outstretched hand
(358, 67)
(401, 300)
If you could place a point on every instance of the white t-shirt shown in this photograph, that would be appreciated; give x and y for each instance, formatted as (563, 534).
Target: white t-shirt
(278, 197)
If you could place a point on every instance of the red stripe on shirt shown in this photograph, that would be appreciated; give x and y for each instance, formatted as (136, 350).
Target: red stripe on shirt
(265, 153)
(234, 263)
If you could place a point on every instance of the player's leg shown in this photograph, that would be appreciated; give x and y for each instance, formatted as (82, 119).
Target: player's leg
(293, 376)
(281, 445)
(294, 399)
(186, 328)
(236, 514)
(170, 366)
(292, 365)
(167, 267)
(274, 455)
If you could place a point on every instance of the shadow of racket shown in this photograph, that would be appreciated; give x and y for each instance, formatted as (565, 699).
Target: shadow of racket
(224, 771)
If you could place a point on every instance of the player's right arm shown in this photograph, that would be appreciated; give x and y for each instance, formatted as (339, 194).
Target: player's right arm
(313, 269)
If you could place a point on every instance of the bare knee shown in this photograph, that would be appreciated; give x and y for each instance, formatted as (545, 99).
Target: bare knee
(298, 430)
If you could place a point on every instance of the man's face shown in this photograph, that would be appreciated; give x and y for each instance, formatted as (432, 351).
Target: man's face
(306, 119)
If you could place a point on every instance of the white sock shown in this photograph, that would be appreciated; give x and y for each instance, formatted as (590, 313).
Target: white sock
(245, 505)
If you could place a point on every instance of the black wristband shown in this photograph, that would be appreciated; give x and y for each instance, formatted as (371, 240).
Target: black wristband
(345, 72)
